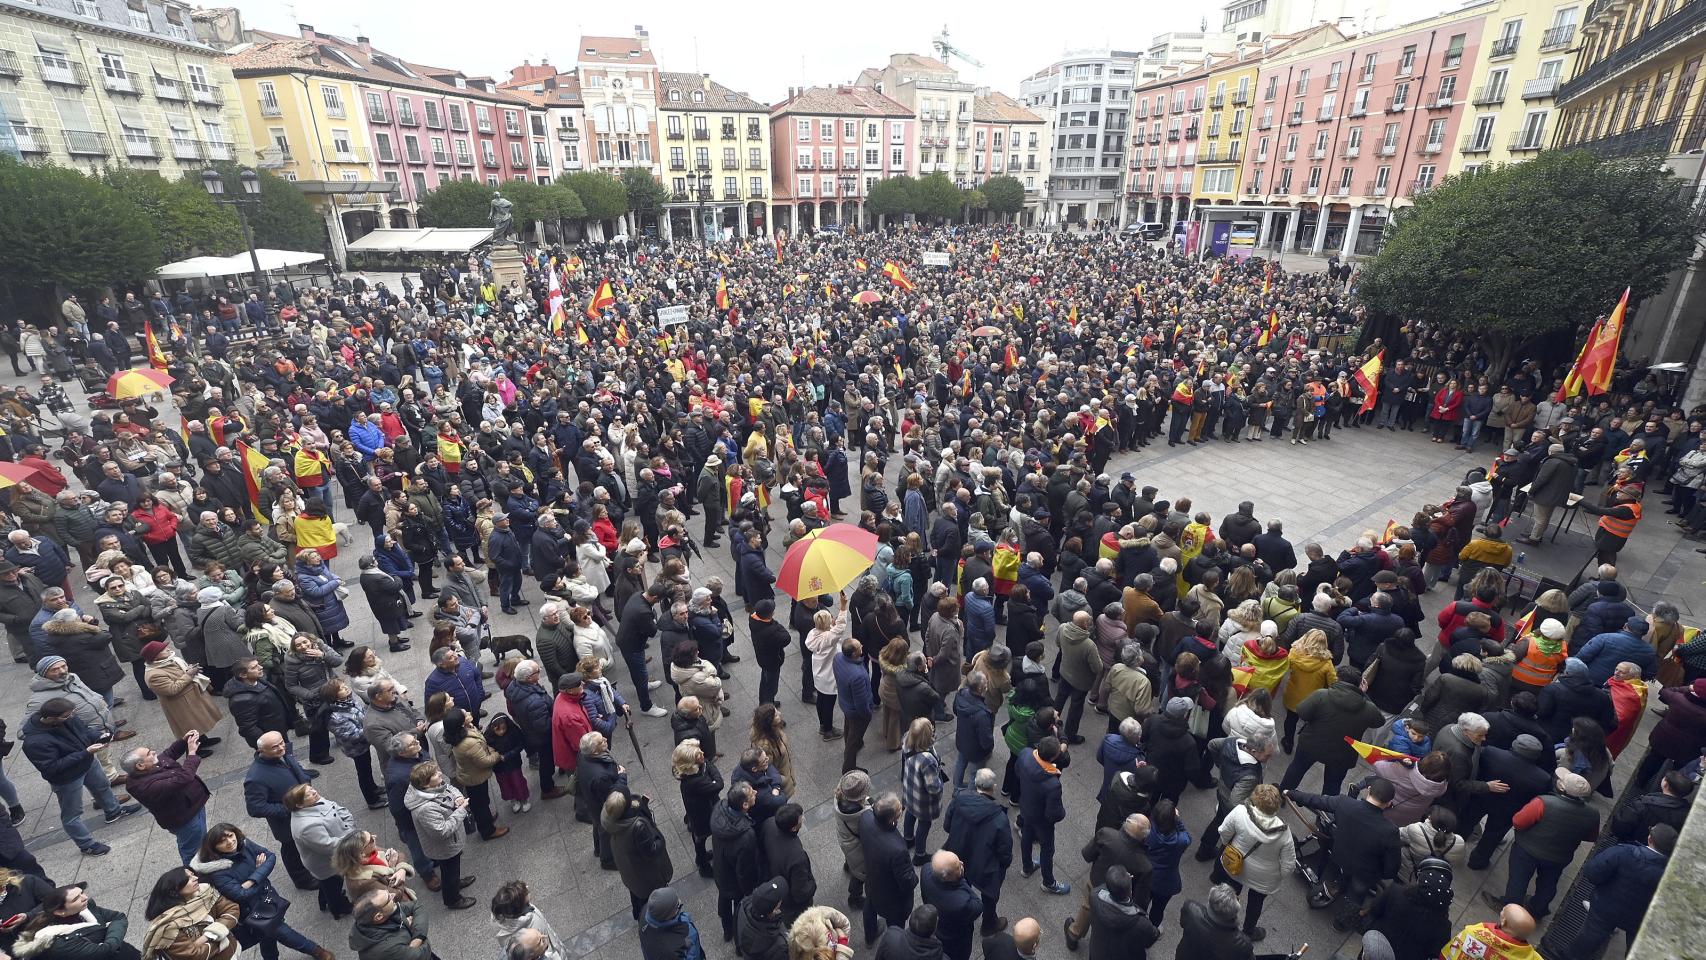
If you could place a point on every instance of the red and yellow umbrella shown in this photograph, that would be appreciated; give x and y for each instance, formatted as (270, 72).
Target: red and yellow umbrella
(826, 560)
(987, 331)
(867, 296)
(137, 383)
(12, 474)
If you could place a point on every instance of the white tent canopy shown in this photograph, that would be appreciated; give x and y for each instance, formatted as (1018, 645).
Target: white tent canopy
(423, 240)
(198, 267)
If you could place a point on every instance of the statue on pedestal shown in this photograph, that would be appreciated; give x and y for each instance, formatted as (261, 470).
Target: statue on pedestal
(503, 222)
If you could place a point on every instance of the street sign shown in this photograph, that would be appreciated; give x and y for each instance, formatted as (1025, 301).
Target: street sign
(669, 316)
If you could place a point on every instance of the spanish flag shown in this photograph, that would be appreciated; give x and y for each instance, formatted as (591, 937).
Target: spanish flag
(253, 463)
(1182, 393)
(604, 298)
(778, 246)
(733, 487)
(828, 291)
(1390, 533)
(896, 275)
(1272, 330)
(722, 293)
(1593, 367)
(995, 251)
(1072, 314)
(763, 494)
(899, 373)
(1018, 313)
(792, 393)
(1216, 279)
(450, 447)
(1011, 358)
(788, 289)
(860, 264)
(1368, 377)
(316, 534)
(965, 383)
(156, 359)
(580, 334)
(622, 338)
(1373, 754)
(1525, 626)
(1267, 278)
(310, 467)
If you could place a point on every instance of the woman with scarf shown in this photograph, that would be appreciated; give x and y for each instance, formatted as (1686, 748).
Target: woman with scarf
(188, 920)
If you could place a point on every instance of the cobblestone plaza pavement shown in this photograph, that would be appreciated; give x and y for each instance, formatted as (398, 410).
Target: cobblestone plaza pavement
(1328, 490)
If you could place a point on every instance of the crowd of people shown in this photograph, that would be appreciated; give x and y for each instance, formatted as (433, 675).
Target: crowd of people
(480, 445)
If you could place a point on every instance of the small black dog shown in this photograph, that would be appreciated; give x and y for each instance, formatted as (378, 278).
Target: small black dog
(520, 642)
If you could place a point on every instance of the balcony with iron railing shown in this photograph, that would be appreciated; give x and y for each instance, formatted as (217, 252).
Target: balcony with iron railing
(484, 126)
(441, 158)
(754, 132)
(434, 120)
(1217, 101)
(1252, 191)
(1397, 105)
(1318, 152)
(87, 143)
(754, 164)
(1540, 88)
(1472, 144)
(1524, 142)
(1374, 189)
(755, 193)
(1387, 148)
(378, 114)
(1420, 187)
(730, 164)
(1295, 120)
(1490, 95)
(464, 159)
(121, 81)
(1440, 102)
(1426, 146)
(1341, 190)
(1684, 19)
(140, 146)
(30, 140)
(701, 133)
(676, 135)
(490, 161)
(1350, 151)
(1240, 98)
(10, 65)
(731, 194)
(1505, 47)
(207, 96)
(1357, 111)
(1557, 38)
(60, 73)
(186, 150)
(678, 165)
(271, 108)
(1266, 123)
(541, 159)
(1324, 115)
(217, 149)
(568, 134)
(1682, 134)
(1236, 128)
(408, 118)
(513, 129)
(458, 124)
(385, 154)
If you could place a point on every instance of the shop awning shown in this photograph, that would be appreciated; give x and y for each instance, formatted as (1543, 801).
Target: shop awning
(197, 267)
(424, 240)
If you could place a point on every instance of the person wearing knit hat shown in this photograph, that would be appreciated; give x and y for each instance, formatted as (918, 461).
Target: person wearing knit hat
(1178, 707)
(1375, 946)
(184, 692)
(1548, 830)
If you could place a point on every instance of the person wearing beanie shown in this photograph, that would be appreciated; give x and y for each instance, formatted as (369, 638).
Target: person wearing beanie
(1548, 830)
(1625, 877)
(1604, 652)
(1525, 770)
(184, 692)
(759, 931)
(1412, 920)
(1539, 657)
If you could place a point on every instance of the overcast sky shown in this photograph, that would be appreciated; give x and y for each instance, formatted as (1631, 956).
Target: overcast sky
(760, 48)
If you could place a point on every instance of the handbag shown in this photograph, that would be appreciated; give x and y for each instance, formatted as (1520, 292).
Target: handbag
(1232, 859)
(266, 912)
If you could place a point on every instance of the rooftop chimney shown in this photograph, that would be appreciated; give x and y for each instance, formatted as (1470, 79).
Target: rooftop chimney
(641, 35)
(365, 44)
(705, 82)
(307, 31)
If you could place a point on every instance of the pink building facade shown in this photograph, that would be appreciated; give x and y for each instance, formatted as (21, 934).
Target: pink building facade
(1167, 128)
(422, 140)
(828, 147)
(1344, 134)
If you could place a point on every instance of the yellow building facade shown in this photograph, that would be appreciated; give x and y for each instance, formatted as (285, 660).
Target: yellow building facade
(1524, 61)
(1636, 87)
(715, 148)
(311, 127)
(1220, 156)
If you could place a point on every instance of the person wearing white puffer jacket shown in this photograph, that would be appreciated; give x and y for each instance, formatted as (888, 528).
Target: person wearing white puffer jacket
(1256, 830)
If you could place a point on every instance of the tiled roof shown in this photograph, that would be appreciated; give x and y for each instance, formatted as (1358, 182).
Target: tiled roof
(614, 50)
(528, 74)
(914, 61)
(841, 101)
(275, 53)
(718, 97)
(1000, 108)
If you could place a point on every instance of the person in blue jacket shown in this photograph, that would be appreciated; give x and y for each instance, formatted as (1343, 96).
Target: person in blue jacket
(1605, 651)
(393, 559)
(458, 678)
(366, 437)
(1040, 808)
(1625, 876)
(241, 870)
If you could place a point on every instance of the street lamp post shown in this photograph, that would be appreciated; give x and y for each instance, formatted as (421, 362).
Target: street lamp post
(250, 197)
(848, 182)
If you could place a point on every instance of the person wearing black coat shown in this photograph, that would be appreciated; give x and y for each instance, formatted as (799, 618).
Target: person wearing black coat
(761, 930)
(1329, 716)
(1633, 821)
(256, 704)
(734, 854)
(597, 775)
(980, 833)
(1123, 848)
(1504, 726)
(769, 648)
(638, 624)
(1415, 916)
(1572, 694)
(1526, 769)
(786, 859)
(1397, 672)
(1209, 931)
(890, 877)
(1366, 847)
(1120, 929)
(1171, 750)
(1274, 549)
(974, 730)
(385, 597)
(701, 787)
(945, 888)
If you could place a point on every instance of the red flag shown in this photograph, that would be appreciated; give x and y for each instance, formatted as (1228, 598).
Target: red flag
(1012, 358)
(722, 293)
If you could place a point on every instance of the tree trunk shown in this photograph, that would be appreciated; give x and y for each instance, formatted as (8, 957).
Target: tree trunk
(1499, 350)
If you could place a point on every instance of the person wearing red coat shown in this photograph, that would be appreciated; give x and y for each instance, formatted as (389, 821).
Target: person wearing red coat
(48, 479)
(160, 533)
(569, 722)
(1629, 698)
(1446, 410)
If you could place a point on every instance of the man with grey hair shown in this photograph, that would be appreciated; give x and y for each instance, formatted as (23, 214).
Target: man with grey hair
(554, 641)
(407, 751)
(979, 618)
(974, 736)
(388, 715)
(1239, 764)
(889, 872)
(168, 786)
(1214, 924)
(1122, 749)
(1125, 847)
(979, 832)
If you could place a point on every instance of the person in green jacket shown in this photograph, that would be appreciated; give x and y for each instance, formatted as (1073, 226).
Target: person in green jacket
(387, 929)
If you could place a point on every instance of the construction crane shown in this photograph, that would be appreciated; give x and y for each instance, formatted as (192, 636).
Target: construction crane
(944, 49)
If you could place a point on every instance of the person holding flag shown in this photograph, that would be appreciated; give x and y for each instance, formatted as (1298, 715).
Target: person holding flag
(897, 276)
(1597, 360)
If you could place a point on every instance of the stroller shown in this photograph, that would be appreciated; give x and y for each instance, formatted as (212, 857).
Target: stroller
(1315, 865)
